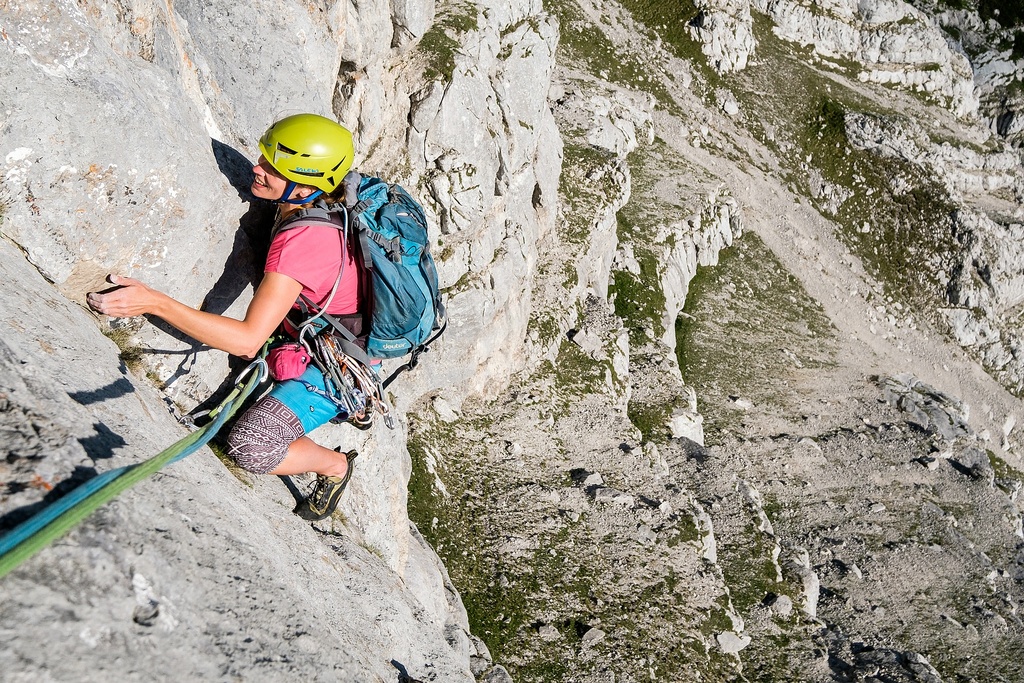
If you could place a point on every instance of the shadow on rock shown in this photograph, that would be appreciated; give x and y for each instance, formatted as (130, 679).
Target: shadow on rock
(293, 489)
(116, 389)
(235, 366)
(79, 476)
(693, 450)
(103, 443)
(255, 224)
(403, 674)
(244, 265)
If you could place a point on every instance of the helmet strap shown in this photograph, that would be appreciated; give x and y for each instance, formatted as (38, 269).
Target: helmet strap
(299, 200)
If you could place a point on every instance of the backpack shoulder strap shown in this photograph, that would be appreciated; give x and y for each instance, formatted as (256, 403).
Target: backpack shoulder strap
(320, 212)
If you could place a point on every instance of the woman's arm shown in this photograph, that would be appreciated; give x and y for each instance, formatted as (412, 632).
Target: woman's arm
(268, 307)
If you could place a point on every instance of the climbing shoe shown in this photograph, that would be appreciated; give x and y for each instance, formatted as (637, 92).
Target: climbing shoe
(323, 499)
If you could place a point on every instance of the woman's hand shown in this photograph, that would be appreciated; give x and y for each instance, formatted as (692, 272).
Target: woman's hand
(129, 298)
(269, 305)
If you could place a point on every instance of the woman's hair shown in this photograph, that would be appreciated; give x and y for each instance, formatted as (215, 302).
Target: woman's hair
(335, 197)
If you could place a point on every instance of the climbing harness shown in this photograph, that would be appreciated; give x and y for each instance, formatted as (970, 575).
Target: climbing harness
(59, 517)
(359, 386)
(360, 391)
(351, 383)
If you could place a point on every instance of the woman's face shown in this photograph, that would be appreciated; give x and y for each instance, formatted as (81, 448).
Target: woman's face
(267, 183)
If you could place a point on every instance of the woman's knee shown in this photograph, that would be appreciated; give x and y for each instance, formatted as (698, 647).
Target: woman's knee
(260, 438)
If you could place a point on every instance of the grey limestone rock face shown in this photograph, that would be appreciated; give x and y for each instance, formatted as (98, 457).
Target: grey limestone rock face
(192, 571)
(985, 287)
(859, 662)
(995, 67)
(411, 20)
(112, 123)
(695, 243)
(927, 408)
(129, 137)
(894, 43)
(127, 148)
(963, 171)
(983, 281)
(127, 131)
(488, 153)
(725, 31)
(497, 675)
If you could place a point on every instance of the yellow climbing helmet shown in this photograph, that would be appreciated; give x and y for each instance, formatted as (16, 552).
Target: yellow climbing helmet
(309, 150)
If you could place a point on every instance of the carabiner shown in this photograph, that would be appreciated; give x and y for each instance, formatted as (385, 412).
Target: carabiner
(264, 372)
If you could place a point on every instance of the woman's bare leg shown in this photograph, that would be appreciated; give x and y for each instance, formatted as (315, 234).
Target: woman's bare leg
(305, 455)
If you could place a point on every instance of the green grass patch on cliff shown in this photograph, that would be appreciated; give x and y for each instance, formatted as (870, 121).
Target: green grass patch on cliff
(639, 296)
(898, 219)
(584, 188)
(652, 418)
(747, 326)
(576, 373)
(442, 502)
(667, 21)
(748, 568)
(443, 39)
(130, 353)
(802, 112)
(1008, 478)
(585, 44)
(458, 491)
(639, 300)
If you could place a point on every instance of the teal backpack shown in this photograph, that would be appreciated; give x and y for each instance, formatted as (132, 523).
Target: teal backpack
(405, 311)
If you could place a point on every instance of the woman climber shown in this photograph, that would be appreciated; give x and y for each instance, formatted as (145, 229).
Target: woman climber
(304, 157)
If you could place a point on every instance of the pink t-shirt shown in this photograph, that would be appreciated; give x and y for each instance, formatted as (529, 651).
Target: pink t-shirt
(311, 255)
